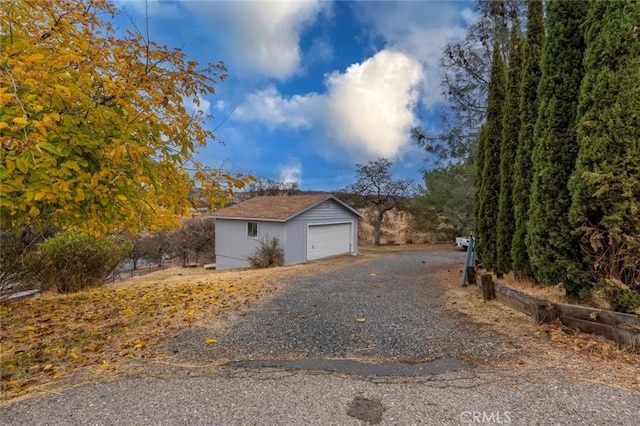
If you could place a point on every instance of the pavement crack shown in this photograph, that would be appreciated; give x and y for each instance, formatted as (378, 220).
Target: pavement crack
(361, 369)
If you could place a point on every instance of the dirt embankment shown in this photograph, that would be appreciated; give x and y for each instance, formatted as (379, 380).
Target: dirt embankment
(397, 229)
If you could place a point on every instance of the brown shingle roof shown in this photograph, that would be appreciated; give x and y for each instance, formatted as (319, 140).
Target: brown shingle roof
(275, 207)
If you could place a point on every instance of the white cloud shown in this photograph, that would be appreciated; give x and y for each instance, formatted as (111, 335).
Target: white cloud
(291, 172)
(221, 105)
(469, 16)
(421, 30)
(367, 111)
(271, 108)
(427, 45)
(193, 107)
(371, 105)
(263, 38)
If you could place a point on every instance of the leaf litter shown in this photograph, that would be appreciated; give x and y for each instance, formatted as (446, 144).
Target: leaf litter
(47, 339)
(57, 341)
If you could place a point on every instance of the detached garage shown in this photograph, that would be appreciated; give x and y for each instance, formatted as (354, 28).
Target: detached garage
(309, 227)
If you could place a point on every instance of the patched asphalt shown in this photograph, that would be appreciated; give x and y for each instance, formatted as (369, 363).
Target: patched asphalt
(356, 368)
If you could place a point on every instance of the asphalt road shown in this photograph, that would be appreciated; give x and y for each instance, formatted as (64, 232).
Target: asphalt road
(302, 357)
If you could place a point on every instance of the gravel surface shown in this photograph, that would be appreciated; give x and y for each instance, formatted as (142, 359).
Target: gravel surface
(400, 306)
(314, 317)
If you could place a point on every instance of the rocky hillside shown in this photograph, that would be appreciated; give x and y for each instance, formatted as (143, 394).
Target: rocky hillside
(396, 229)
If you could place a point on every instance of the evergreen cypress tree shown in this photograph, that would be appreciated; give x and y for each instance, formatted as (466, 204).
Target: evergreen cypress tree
(479, 163)
(528, 116)
(552, 249)
(511, 128)
(490, 185)
(605, 186)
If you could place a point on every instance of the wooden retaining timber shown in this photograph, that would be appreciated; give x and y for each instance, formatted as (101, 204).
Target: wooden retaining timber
(538, 309)
(624, 329)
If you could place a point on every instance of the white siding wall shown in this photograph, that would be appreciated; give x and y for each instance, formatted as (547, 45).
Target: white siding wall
(233, 246)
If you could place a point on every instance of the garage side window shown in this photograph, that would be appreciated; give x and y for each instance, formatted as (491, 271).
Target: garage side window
(252, 229)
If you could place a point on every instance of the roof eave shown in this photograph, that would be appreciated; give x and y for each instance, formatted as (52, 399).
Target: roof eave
(257, 219)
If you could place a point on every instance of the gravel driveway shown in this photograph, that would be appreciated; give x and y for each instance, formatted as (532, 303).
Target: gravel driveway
(387, 308)
(309, 330)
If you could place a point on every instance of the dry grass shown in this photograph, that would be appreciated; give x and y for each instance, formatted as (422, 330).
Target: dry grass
(546, 349)
(57, 340)
(48, 338)
(555, 294)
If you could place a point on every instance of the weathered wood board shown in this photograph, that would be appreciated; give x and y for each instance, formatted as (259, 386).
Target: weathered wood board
(540, 310)
(620, 327)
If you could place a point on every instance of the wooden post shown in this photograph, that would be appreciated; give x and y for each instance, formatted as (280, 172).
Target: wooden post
(471, 275)
(488, 290)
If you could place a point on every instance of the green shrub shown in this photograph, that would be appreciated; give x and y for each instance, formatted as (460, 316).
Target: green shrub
(617, 295)
(268, 254)
(73, 262)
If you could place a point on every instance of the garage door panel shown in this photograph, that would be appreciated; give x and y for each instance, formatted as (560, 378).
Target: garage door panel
(328, 240)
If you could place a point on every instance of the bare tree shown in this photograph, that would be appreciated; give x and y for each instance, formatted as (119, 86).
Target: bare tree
(376, 188)
(149, 246)
(466, 66)
(273, 187)
(194, 241)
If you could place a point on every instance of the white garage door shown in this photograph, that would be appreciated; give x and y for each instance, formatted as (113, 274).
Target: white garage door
(328, 240)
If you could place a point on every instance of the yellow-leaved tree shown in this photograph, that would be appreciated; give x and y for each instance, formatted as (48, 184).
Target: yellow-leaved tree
(95, 134)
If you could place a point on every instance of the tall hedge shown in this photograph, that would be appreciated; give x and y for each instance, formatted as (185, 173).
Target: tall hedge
(508, 149)
(605, 186)
(553, 250)
(479, 164)
(528, 115)
(490, 185)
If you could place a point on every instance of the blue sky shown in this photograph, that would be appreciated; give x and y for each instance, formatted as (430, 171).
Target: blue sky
(314, 87)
